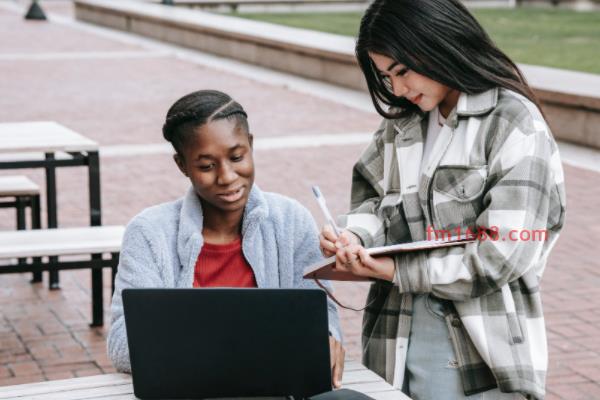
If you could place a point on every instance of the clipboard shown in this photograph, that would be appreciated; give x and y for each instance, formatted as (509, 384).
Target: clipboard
(325, 269)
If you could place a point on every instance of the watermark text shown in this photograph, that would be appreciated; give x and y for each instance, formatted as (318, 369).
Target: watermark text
(491, 233)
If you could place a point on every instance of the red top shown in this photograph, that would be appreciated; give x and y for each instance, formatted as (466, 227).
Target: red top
(223, 265)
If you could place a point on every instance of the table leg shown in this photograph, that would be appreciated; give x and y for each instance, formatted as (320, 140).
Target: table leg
(115, 257)
(36, 223)
(21, 220)
(52, 214)
(96, 220)
(94, 187)
(97, 297)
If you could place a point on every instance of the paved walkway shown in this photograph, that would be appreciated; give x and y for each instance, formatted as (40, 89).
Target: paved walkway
(116, 90)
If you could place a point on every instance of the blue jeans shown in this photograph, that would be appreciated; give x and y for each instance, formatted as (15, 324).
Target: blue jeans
(431, 368)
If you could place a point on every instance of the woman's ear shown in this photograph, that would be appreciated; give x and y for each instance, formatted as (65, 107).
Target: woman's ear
(250, 139)
(180, 163)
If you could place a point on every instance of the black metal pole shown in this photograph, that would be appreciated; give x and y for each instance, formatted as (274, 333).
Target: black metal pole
(21, 220)
(36, 223)
(115, 258)
(52, 214)
(96, 220)
(94, 188)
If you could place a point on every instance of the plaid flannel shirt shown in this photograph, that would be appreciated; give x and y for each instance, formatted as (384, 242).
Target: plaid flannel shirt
(495, 164)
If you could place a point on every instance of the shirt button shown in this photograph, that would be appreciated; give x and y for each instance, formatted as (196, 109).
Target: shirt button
(455, 322)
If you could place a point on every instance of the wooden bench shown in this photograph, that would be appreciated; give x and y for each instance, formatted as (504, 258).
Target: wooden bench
(43, 248)
(49, 145)
(20, 192)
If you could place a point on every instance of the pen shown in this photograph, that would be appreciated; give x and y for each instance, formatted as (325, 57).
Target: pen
(323, 205)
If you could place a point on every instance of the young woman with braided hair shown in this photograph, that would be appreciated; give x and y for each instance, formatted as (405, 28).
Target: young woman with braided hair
(225, 231)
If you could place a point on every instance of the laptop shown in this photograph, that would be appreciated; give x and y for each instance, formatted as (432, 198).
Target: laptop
(227, 342)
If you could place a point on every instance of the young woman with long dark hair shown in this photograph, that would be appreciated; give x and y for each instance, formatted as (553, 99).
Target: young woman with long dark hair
(463, 148)
(225, 231)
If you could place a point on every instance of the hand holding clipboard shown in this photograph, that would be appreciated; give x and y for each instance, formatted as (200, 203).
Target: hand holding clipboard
(325, 269)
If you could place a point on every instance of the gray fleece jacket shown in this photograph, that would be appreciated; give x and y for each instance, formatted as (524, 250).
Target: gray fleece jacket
(162, 243)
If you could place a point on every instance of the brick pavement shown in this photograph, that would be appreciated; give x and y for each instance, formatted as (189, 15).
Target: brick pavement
(120, 100)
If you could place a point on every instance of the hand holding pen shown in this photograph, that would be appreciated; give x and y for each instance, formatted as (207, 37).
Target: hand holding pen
(331, 238)
(351, 256)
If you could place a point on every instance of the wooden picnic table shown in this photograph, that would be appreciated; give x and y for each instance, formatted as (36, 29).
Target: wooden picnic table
(48, 145)
(119, 387)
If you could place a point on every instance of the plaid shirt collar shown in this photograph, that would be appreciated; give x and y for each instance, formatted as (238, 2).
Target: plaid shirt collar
(470, 105)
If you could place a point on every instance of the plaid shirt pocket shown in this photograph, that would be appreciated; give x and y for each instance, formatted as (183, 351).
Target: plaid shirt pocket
(457, 195)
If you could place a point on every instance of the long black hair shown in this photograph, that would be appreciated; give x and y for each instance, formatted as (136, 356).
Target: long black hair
(196, 109)
(439, 39)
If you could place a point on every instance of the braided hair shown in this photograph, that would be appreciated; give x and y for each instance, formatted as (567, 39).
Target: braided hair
(199, 108)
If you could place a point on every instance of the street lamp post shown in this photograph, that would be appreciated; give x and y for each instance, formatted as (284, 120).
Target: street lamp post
(35, 12)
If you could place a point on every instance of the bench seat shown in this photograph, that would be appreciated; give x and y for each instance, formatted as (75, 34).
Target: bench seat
(43, 247)
(20, 192)
(18, 185)
(61, 241)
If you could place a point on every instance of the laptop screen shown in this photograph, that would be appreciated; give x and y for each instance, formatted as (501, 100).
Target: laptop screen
(227, 342)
